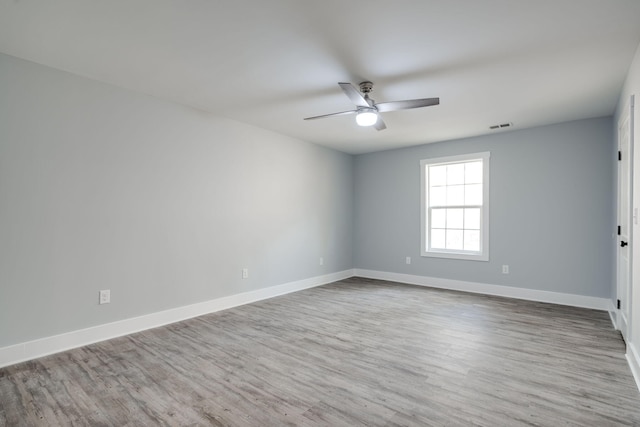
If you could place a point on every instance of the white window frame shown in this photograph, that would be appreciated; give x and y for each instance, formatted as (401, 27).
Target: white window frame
(483, 255)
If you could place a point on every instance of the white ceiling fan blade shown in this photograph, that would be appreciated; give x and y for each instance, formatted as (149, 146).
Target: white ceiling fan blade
(354, 95)
(342, 113)
(407, 104)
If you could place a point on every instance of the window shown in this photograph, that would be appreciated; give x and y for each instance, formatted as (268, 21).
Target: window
(455, 207)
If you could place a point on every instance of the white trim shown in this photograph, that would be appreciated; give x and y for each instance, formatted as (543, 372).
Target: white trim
(487, 289)
(633, 357)
(49, 345)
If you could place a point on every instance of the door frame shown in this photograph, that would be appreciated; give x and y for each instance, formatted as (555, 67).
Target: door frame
(624, 322)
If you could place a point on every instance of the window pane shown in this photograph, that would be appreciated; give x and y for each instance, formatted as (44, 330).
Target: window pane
(455, 195)
(473, 173)
(472, 219)
(438, 217)
(473, 194)
(437, 239)
(438, 196)
(437, 175)
(472, 240)
(455, 218)
(454, 239)
(455, 174)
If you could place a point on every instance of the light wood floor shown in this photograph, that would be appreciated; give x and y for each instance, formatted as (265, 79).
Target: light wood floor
(356, 352)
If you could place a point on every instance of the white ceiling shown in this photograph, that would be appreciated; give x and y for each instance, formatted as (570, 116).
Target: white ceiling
(272, 63)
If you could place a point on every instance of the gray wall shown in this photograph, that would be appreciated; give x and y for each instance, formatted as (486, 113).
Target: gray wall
(551, 205)
(103, 188)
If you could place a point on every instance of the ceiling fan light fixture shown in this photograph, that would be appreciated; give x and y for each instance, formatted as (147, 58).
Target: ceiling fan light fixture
(367, 117)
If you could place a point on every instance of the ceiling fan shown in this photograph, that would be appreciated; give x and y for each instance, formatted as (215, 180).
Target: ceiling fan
(367, 110)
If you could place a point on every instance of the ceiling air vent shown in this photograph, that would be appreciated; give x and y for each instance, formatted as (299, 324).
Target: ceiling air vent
(501, 126)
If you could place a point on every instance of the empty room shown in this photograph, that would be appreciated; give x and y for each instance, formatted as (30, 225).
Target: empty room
(335, 213)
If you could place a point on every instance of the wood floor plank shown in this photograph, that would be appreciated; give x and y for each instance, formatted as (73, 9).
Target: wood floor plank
(355, 352)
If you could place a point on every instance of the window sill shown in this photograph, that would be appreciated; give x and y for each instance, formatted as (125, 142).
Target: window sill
(455, 255)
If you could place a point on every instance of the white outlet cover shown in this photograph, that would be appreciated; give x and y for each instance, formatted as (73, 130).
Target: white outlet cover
(105, 296)
(408, 260)
(245, 273)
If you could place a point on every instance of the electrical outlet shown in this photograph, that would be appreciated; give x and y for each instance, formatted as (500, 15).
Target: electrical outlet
(245, 273)
(321, 261)
(505, 269)
(105, 296)
(408, 260)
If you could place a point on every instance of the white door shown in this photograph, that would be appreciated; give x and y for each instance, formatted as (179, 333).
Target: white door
(625, 130)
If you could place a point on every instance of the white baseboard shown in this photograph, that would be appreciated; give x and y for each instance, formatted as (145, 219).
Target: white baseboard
(633, 358)
(45, 346)
(487, 289)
